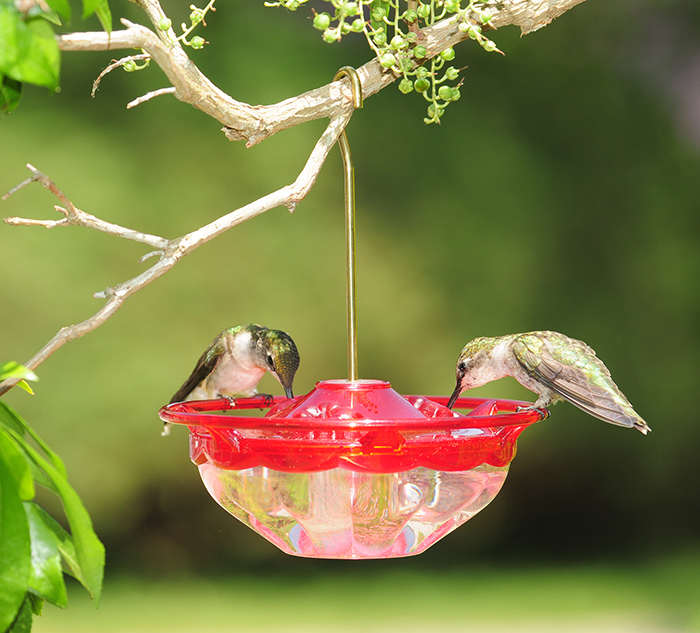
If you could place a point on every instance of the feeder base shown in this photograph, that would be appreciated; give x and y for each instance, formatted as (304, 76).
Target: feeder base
(344, 514)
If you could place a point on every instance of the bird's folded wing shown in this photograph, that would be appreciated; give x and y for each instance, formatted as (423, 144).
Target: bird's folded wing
(205, 365)
(571, 383)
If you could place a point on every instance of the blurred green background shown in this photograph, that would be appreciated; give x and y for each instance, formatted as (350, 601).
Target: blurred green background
(561, 192)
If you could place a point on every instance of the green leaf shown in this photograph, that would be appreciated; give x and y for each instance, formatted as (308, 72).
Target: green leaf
(14, 549)
(28, 49)
(46, 579)
(64, 542)
(89, 551)
(40, 478)
(51, 16)
(13, 369)
(89, 7)
(18, 466)
(10, 94)
(60, 6)
(104, 15)
(23, 385)
(11, 419)
(36, 603)
(23, 621)
(16, 370)
(101, 8)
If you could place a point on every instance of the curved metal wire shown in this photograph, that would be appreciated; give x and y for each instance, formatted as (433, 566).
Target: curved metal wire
(349, 178)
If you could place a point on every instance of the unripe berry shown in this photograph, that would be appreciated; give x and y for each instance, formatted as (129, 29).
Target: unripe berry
(406, 86)
(448, 54)
(419, 52)
(445, 93)
(379, 38)
(398, 42)
(422, 84)
(322, 21)
(387, 60)
(378, 14)
(432, 111)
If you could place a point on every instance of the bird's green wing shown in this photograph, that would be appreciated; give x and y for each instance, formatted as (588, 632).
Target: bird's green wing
(574, 372)
(205, 365)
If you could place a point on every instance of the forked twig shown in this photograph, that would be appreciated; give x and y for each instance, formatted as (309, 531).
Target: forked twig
(170, 251)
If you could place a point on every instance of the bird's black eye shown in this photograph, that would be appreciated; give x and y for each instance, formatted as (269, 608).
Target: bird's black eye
(462, 366)
(270, 361)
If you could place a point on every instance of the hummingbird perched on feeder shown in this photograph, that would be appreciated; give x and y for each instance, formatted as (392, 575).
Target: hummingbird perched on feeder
(235, 362)
(553, 366)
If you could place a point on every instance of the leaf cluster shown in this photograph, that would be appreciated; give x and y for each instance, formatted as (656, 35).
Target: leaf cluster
(28, 49)
(35, 551)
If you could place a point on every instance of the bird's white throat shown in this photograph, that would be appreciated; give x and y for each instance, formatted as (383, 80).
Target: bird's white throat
(240, 351)
(494, 365)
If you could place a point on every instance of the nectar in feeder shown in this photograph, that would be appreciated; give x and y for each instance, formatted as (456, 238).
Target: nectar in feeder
(353, 469)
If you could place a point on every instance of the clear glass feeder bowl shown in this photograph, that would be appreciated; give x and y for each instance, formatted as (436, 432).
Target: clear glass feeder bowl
(353, 469)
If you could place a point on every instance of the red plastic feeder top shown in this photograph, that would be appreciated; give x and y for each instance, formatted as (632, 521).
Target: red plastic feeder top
(363, 426)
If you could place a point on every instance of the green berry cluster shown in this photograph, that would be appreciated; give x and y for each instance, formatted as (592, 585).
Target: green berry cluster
(197, 16)
(392, 27)
(346, 19)
(292, 5)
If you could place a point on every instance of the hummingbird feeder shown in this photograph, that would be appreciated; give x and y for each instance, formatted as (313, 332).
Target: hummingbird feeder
(352, 469)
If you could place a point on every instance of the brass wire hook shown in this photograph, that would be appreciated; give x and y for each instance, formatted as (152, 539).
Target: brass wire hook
(349, 178)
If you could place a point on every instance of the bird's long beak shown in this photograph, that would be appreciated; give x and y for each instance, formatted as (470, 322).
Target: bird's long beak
(288, 392)
(455, 395)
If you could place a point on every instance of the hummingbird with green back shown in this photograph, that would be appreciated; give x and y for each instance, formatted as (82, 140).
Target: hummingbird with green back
(553, 366)
(236, 360)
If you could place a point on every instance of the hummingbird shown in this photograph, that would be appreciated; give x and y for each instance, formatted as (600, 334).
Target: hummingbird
(553, 366)
(235, 362)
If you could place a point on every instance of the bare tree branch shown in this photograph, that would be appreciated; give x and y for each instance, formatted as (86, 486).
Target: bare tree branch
(243, 122)
(116, 63)
(76, 217)
(148, 96)
(170, 251)
(529, 15)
